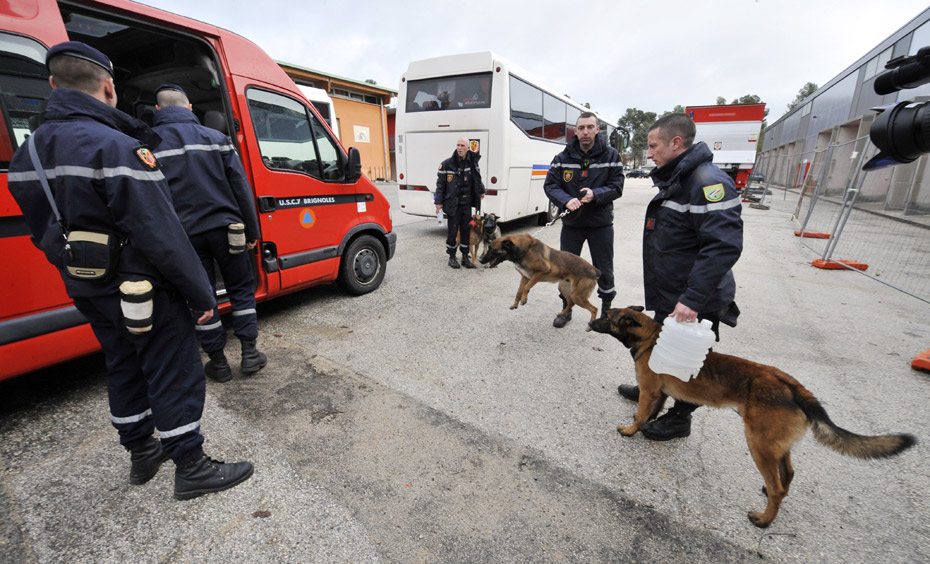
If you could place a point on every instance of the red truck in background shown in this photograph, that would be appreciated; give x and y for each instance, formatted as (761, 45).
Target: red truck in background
(731, 131)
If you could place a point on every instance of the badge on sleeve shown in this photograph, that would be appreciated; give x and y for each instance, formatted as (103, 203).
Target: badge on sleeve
(714, 193)
(147, 158)
(568, 175)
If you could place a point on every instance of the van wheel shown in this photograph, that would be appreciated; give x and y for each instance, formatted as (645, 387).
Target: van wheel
(362, 267)
(550, 214)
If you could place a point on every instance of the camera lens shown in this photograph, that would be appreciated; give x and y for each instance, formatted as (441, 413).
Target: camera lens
(901, 133)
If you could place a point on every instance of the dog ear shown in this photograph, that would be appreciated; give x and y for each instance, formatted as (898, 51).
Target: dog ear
(507, 244)
(637, 308)
(630, 321)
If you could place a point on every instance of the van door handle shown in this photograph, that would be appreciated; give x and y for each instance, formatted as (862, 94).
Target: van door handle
(267, 204)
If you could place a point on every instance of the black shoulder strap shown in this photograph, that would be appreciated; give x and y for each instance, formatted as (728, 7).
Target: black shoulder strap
(40, 171)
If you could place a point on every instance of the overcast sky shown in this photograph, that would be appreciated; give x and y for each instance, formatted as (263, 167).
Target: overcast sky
(614, 54)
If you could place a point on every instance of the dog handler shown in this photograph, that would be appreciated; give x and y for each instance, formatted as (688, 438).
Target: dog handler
(212, 197)
(458, 189)
(98, 206)
(692, 237)
(586, 178)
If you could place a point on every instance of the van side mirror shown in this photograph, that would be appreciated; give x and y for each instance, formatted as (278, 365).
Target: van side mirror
(353, 165)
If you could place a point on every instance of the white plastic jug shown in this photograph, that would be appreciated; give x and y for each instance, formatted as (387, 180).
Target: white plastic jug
(681, 348)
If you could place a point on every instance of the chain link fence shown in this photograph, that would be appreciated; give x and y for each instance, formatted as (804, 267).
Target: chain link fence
(876, 222)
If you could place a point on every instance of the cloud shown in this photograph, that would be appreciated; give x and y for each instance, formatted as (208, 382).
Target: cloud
(612, 54)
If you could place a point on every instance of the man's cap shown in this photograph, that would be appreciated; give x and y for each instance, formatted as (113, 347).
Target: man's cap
(81, 51)
(174, 87)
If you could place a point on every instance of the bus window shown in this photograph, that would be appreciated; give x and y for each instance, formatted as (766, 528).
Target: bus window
(24, 91)
(571, 119)
(554, 115)
(449, 93)
(526, 107)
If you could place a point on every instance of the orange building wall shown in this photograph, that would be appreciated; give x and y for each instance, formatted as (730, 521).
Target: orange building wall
(351, 113)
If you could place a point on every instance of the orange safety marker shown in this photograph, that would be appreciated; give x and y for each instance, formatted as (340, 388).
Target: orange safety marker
(812, 234)
(835, 264)
(921, 362)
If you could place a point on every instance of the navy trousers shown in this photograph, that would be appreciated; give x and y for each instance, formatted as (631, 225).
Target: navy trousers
(601, 245)
(154, 379)
(458, 225)
(240, 287)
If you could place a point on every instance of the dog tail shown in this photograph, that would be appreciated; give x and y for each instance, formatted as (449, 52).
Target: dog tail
(846, 442)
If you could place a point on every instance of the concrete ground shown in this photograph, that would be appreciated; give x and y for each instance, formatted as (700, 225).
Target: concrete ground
(427, 422)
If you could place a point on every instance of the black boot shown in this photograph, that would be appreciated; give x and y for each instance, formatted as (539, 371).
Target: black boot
(605, 305)
(204, 475)
(466, 261)
(676, 423)
(146, 458)
(629, 392)
(453, 263)
(217, 368)
(253, 360)
(562, 320)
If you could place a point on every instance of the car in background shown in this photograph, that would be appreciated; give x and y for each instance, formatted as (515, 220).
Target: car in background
(638, 173)
(756, 177)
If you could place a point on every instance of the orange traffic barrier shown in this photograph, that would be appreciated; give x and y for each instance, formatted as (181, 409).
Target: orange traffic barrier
(921, 362)
(812, 234)
(838, 264)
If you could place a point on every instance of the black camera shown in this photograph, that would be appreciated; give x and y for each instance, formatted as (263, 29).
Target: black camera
(901, 132)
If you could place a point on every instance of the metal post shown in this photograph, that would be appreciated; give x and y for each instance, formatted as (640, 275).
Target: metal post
(849, 200)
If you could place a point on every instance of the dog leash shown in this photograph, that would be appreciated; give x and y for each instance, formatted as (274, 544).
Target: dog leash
(558, 217)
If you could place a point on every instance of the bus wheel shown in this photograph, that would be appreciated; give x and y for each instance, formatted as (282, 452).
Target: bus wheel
(551, 213)
(362, 267)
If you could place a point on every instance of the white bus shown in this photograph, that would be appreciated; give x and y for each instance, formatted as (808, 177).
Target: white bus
(323, 104)
(513, 122)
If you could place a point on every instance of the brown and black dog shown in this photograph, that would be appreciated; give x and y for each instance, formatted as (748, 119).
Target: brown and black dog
(538, 262)
(482, 228)
(776, 409)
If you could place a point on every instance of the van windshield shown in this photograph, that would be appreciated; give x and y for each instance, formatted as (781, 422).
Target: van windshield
(461, 92)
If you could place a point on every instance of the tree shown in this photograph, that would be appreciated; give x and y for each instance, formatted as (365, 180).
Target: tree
(587, 105)
(678, 109)
(637, 122)
(370, 81)
(721, 100)
(803, 93)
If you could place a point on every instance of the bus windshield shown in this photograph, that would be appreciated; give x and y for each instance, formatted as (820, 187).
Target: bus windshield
(449, 93)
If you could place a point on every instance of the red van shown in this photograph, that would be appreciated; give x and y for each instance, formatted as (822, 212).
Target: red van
(321, 219)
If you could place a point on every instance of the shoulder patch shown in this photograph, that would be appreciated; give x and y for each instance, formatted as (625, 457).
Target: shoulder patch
(146, 156)
(714, 193)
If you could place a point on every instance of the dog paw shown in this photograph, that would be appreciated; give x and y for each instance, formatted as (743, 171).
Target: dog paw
(626, 431)
(514, 306)
(757, 520)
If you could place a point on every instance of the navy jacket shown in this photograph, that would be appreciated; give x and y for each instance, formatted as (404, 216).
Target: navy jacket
(693, 235)
(208, 184)
(456, 177)
(600, 169)
(103, 179)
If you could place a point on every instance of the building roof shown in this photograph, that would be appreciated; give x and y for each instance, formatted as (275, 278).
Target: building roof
(334, 80)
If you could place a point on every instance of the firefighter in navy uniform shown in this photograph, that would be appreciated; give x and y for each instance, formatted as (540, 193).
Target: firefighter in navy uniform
(692, 237)
(210, 192)
(458, 189)
(586, 178)
(105, 181)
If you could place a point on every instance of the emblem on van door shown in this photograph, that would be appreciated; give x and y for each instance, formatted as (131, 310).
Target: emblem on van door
(475, 145)
(307, 218)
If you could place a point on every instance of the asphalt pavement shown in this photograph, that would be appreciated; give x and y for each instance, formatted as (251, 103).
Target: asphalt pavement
(427, 422)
